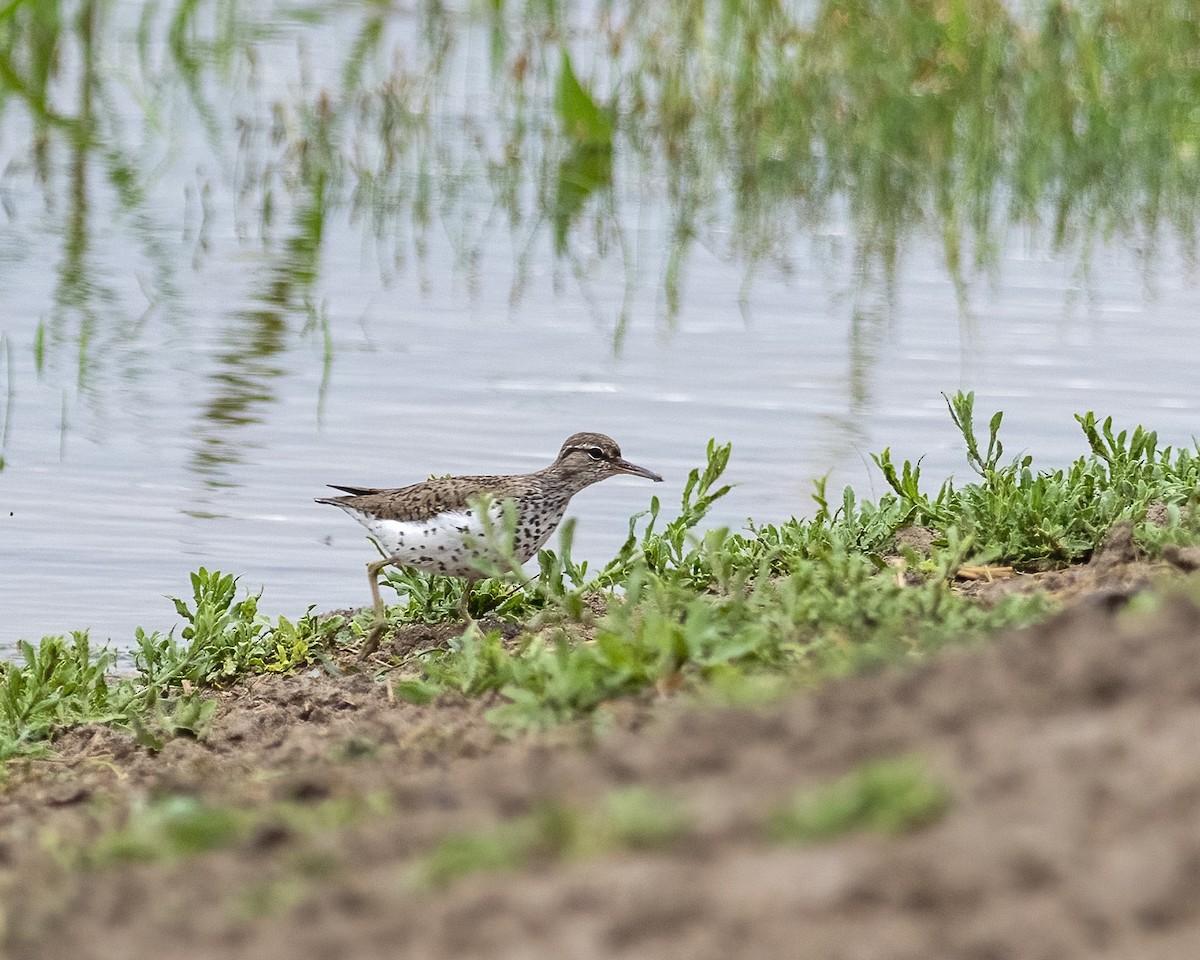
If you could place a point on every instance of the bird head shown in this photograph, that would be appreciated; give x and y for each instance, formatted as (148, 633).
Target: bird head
(589, 457)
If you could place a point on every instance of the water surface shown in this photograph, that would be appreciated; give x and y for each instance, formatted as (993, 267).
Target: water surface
(227, 295)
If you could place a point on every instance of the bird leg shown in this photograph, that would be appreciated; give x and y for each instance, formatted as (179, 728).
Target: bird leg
(464, 607)
(371, 644)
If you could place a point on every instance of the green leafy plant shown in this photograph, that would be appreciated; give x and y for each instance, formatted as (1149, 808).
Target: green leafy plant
(225, 638)
(55, 685)
(1040, 519)
(886, 796)
(634, 818)
(63, 683)
(169, 829)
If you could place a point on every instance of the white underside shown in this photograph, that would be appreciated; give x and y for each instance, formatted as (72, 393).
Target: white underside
(439, 545)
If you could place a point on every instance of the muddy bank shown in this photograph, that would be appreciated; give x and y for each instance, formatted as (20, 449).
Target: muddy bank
(1069, 751)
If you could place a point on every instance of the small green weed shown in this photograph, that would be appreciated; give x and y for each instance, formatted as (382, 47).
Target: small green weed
(55, 685)
(170, 829)
(887, 796)
(629, 819)
(63, 683)
(508, 848)
(177, 827)
(1042, 519)
(225, 639)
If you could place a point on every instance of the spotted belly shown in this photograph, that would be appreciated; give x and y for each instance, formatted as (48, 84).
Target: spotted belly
(448, 543)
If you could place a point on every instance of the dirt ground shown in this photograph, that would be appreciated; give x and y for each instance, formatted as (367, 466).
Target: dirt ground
(1071, 752)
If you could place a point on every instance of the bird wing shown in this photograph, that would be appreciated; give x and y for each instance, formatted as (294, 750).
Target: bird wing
(356, 491)
(421, 500)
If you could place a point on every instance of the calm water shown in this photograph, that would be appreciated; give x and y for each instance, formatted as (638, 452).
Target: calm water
(182, 379)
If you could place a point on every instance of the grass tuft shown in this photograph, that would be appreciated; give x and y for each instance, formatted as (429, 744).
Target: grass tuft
(630, 819)
(885, 796)
(178, 827)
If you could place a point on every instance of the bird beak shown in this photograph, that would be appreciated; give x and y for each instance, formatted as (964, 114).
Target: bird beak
(624, 466)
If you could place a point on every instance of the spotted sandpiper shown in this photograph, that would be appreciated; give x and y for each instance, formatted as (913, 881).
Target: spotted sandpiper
(436, 527)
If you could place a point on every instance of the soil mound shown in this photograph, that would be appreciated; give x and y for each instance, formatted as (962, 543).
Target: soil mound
(1069, 751)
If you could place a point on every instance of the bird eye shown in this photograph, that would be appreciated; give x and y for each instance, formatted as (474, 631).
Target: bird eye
(595, 453)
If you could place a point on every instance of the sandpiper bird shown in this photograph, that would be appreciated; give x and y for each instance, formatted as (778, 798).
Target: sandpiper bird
(435, 526)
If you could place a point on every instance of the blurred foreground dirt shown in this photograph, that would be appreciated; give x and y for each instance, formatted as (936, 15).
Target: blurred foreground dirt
(1071, 750)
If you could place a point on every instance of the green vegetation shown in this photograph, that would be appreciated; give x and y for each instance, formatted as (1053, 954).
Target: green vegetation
(177, 827)
(55, 685)
(633, 819)
(60, 684)
(807, 598)
(887, 796)
(890, 796)
(1036, 520)
(733, 615)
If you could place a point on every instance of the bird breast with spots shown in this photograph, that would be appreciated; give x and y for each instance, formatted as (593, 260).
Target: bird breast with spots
(447, 542)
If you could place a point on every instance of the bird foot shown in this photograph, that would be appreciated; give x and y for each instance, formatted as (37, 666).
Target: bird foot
(371, 644)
